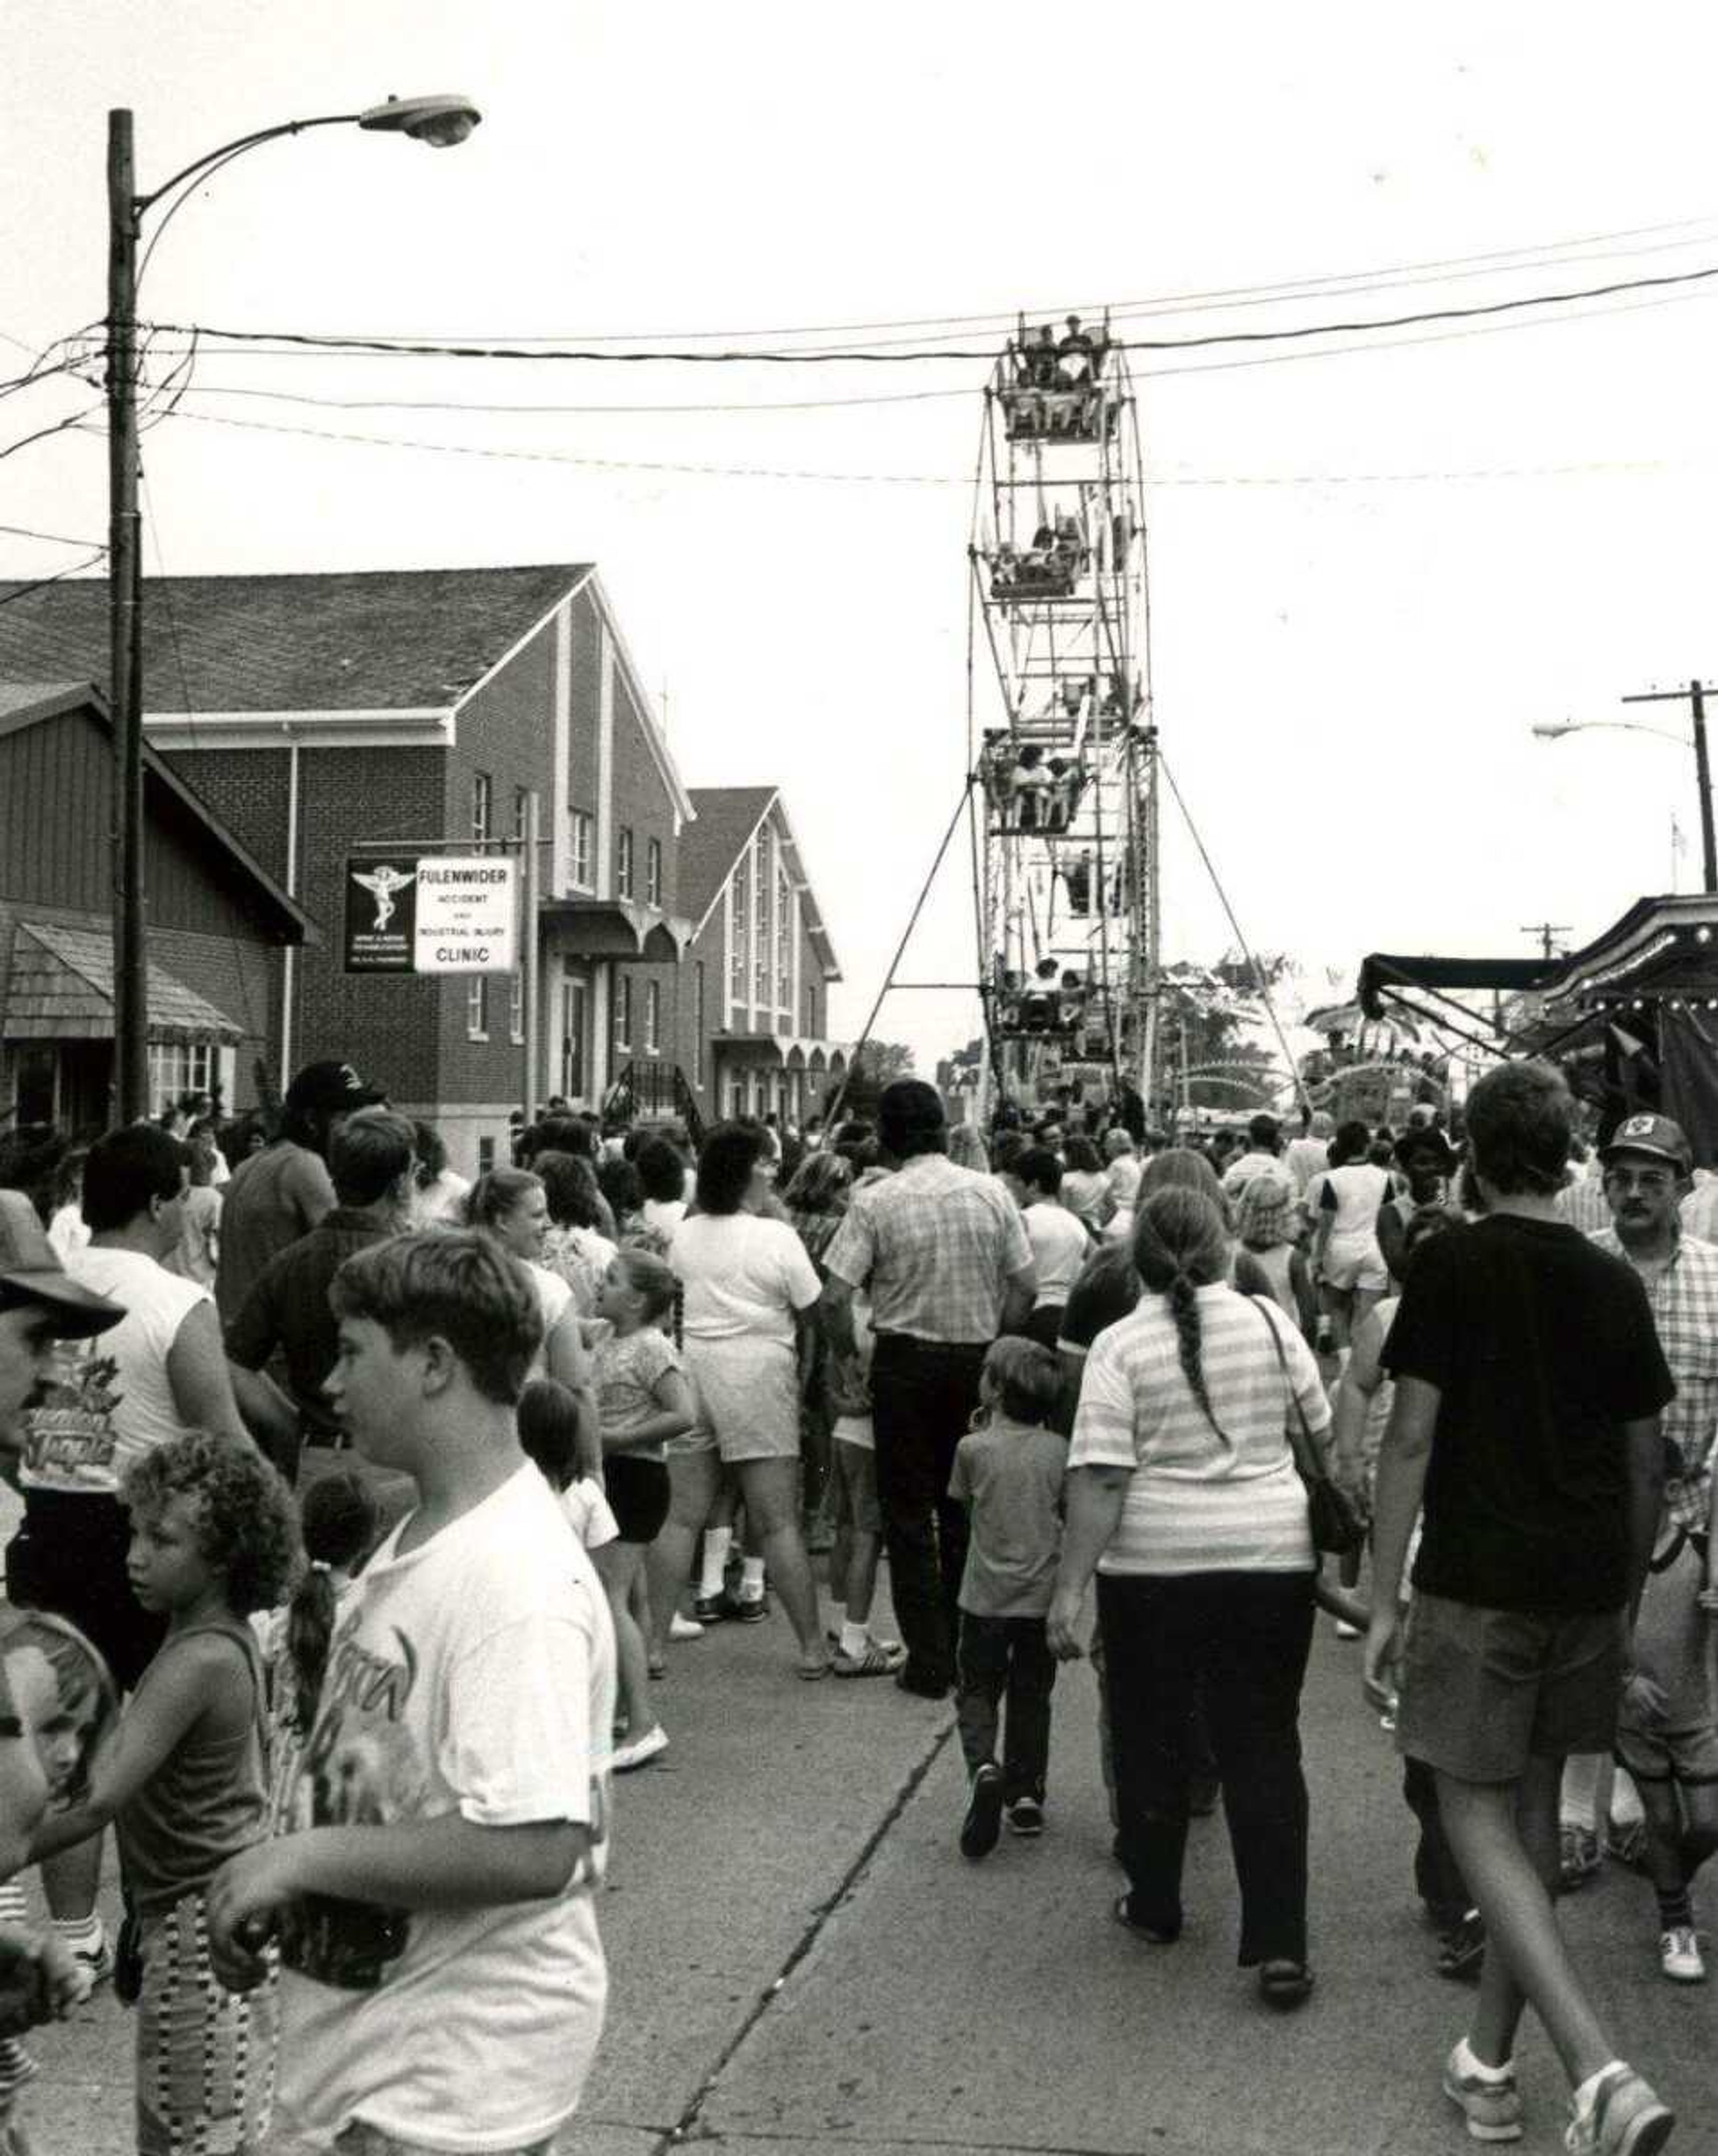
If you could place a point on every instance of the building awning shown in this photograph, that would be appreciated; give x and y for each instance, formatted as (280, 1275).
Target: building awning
(615, 928)
(60, 988)
(770, 1051)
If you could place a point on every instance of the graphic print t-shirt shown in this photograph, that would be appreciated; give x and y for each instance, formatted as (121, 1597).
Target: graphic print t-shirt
(475, 1675)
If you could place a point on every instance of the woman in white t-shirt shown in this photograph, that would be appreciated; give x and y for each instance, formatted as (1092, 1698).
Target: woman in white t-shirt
(1347, 1262)
(748, 1290)
(1184, 1498)
(509, 1205)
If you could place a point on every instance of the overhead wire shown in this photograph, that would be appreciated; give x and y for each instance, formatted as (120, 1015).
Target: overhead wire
(1494, 262)
(16, 591)
(1205, 339)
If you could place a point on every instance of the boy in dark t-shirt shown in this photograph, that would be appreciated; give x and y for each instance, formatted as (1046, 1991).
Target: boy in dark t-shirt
(1529, 1381)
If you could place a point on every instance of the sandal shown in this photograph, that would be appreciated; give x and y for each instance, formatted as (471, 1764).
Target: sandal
(656, 1668)
(1284, 1983)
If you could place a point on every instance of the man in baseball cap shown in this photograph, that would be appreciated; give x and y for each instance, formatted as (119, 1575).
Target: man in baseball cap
(1656, 1136)
(284, 1191)
(39, 1303)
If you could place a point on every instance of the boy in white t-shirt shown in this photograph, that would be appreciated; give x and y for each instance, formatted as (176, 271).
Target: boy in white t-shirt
(444, 1981)
(1060, 1241)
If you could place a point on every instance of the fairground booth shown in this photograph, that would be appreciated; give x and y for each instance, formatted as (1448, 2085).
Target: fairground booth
(1632, 1020)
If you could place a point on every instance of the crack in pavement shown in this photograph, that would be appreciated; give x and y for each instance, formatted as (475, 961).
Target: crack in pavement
(689, 2125)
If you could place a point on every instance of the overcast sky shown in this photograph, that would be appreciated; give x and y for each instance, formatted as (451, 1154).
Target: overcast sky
(1373, 569)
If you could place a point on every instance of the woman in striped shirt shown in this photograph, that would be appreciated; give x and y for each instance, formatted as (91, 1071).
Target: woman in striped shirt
(1184, 1498)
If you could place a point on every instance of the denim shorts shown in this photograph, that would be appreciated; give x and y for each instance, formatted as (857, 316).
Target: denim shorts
(1485, 1691)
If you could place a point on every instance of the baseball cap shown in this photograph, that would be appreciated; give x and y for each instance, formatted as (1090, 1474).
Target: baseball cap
(1656, 1135)
(30, 1269)
(319, 1088)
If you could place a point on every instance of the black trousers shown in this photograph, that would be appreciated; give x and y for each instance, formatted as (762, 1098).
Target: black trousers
(1005, 1663)
(1239, 1641)
(923, 1393)
(1438, 1877)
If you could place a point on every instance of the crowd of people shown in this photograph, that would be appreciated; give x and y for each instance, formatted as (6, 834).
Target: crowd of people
(384, 1533)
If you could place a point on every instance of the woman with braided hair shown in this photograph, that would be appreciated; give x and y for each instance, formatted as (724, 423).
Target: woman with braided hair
(1184, 1498)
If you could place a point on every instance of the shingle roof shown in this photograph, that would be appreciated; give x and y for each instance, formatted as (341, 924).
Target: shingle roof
(62, 986)
(376, 640)
(727, 817)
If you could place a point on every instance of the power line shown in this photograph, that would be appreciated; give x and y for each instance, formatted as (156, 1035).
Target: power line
(40, 583)
(1495, 262)
(50, 538)
(590, 355)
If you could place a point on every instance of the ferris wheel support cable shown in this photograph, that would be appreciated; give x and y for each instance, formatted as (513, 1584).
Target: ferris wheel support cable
(1150, 898)
(900, 952)
(1262, 985)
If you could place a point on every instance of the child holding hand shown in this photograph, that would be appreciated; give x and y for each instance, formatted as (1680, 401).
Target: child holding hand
(213, 1537)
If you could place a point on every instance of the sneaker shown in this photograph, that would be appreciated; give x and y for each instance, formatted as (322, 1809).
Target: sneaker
(1624, 2119)
(1026, 1817)
(1491, 2106)
(684, 1628)
(95, 1962)
(1679, 1954)
(635, 1754)
(1578, 1857)
(710, 1609)
(1627, 1844)
(879, 1658)
(1461, 1950)
(746, 1609)
(1345, 1630)
(983, 1822)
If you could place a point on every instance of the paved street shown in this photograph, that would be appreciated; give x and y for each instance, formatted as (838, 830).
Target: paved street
(802, 1960)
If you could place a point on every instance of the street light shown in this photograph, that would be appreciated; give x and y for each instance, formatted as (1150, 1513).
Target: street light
(1555, 730)
(438, 121)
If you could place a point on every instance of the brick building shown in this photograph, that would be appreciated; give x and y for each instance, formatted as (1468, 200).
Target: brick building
(763, 957)
(314, 712)
(215, 921)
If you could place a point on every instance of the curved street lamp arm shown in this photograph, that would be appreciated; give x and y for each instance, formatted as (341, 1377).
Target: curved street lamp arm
(1609, 726)
(140, 203)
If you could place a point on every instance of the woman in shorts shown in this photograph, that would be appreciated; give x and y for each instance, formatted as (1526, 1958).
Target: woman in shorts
(747, 1292)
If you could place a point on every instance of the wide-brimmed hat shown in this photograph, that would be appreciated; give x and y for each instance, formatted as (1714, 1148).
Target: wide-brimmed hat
(30, 1271)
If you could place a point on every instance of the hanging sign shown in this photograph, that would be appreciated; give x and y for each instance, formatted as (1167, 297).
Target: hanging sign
(435, 913)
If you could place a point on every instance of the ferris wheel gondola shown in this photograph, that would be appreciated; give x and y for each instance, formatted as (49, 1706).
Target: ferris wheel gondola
(1061, 739)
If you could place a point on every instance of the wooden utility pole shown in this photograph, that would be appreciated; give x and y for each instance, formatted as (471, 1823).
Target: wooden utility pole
(1546, 931)
(1696, 693)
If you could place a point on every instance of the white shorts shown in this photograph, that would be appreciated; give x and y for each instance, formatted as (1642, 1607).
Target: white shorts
(1356, 1262)
(748, 1395)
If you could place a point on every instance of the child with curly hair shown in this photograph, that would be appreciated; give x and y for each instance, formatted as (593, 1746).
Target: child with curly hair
(214, 1536)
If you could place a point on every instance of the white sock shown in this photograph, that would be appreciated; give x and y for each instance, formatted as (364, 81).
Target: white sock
(1466, 2063)
(855, 1640)
(1579, 1796)
(78, 1931)
(718, 1541)
(1589, 2088)
(1627, 1808)
(751, 1586)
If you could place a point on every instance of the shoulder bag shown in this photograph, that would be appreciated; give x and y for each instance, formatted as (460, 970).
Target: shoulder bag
(1331, 1517)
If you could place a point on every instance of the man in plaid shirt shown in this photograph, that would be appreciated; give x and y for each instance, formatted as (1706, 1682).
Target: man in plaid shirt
(944, 1255)
(1647, 1171)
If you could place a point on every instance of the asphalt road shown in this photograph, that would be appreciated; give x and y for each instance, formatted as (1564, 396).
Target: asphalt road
(802, 1961)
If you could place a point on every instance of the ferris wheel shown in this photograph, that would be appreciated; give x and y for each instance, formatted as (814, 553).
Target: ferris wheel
(1061, 735)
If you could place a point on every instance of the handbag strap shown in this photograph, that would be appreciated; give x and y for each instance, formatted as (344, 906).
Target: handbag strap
(1309, 1456)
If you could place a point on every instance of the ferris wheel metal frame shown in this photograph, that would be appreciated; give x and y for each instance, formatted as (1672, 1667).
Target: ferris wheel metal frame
(1059, 604)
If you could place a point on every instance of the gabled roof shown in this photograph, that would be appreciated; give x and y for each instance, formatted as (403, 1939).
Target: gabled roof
(727, 817)
(32, 703)
(369, 640)
(727, 820)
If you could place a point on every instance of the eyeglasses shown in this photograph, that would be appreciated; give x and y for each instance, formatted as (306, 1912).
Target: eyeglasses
(1653, 1182)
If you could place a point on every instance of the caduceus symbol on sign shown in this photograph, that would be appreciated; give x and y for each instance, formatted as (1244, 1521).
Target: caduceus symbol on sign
(385, 885)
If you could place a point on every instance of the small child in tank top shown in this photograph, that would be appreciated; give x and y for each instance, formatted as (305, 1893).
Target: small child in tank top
(214, 1536)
